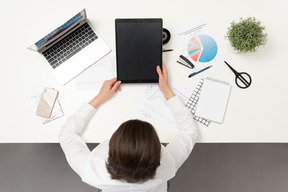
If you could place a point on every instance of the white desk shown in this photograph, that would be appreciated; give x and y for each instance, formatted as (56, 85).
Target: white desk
(258, 114)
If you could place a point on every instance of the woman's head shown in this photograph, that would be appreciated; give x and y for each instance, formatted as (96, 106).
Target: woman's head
(134, 152)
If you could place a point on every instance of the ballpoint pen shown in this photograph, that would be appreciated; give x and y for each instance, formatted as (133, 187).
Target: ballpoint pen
(166, 50)
(195, 73)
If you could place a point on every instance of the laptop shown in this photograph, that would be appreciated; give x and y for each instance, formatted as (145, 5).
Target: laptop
(71, 48)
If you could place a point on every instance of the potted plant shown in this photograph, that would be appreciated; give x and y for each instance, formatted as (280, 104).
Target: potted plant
(247, 35)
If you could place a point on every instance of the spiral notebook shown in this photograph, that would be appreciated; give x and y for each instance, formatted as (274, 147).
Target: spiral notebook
(213, 100)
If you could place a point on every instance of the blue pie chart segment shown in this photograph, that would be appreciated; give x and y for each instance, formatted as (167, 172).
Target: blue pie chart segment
(209, 50)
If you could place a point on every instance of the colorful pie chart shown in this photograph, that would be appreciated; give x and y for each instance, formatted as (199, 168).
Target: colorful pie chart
(202, 48)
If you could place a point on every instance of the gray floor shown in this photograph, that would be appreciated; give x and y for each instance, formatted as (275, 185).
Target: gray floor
(210, 168)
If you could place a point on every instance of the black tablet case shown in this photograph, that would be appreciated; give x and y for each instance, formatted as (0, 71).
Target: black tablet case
(138, 49)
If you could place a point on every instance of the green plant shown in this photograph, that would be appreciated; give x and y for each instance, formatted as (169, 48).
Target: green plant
(246, 35)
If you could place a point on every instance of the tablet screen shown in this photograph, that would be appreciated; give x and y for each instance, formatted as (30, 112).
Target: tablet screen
(138, 49)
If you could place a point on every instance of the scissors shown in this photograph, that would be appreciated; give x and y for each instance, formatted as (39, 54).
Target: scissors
(242, 79)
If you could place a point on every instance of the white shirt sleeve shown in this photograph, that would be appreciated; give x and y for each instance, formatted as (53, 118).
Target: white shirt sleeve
(182, 144)
(74, 147)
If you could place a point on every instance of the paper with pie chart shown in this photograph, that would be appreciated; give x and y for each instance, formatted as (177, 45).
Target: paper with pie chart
(202, 48)
(198, 43)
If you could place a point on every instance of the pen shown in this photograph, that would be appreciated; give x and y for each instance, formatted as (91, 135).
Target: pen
(166, 50)
(195, 73)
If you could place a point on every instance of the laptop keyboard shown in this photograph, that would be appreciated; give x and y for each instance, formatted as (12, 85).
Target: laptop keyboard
(70, 45)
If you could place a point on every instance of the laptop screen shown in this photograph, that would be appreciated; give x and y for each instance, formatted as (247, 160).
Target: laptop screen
(59, 31)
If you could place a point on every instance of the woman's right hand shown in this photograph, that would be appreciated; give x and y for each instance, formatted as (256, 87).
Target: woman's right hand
(163, 82)
(109, 87)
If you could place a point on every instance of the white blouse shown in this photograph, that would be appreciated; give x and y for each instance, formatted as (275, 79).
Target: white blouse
(90, 165)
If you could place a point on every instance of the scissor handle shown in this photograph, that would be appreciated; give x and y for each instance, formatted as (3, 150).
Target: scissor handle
(246, 82)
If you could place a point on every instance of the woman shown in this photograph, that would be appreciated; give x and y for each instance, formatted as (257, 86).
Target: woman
(133, 159)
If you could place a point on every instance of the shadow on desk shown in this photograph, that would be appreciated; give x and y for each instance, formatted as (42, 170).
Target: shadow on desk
(210, 168)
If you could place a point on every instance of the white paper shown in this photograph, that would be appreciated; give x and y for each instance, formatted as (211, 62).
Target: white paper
(199, 44)
(152, 106)
(94, 76)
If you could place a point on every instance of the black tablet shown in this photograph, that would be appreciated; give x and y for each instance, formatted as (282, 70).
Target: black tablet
(138, 49)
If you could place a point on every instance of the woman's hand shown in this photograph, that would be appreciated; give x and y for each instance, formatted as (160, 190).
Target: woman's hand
(163, 82)
(108, 88)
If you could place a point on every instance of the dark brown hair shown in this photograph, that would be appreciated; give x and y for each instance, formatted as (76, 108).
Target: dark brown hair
(134, 152)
